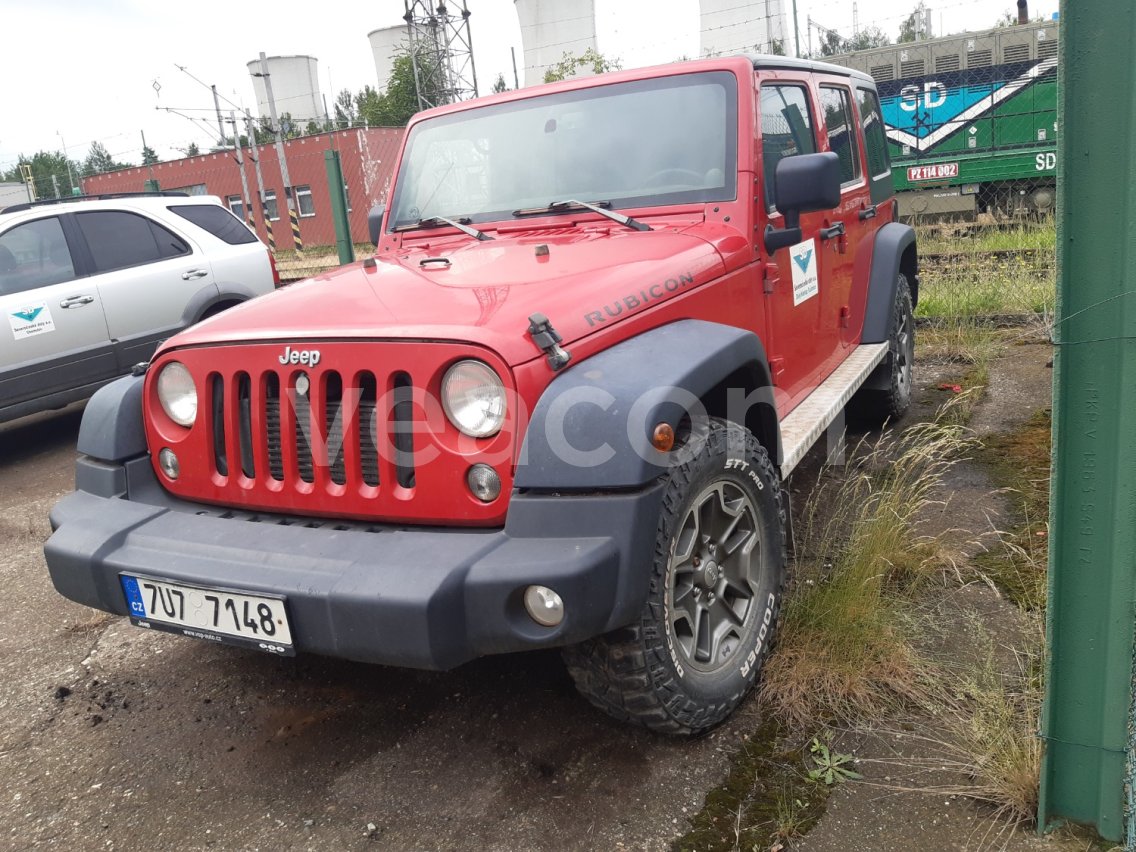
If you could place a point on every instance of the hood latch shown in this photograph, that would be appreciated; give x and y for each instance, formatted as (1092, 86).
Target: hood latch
(548, 341)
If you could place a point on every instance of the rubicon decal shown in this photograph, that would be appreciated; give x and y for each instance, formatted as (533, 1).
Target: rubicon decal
(30, 321)
(804, 266)
(638, 299)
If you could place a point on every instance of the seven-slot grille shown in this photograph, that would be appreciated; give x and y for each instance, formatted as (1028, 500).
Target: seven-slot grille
(303, 426)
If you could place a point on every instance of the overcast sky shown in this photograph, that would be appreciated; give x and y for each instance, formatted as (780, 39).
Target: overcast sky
(106, 70)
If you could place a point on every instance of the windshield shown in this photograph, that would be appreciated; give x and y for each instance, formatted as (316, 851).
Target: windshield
(668, 140)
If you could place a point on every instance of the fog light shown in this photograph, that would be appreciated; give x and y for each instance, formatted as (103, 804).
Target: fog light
(168, 462)
(484, 483)
(544, 605)
(303, 384)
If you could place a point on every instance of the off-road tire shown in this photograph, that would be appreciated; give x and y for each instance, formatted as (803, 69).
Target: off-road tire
(644, 673)
(872, 407)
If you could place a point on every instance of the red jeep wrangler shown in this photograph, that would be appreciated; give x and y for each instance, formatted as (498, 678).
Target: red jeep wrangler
(605, 319)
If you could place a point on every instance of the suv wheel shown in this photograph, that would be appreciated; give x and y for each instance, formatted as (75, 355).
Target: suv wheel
(714, 598)
(873, 407)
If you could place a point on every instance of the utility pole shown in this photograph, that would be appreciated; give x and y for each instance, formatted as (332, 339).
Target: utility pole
(276, 129)
(796, 35)
(517, 80)
(151, 184)
(241, 164)
(70, 177)
(217, 106)
(254, 155)
(55, 184)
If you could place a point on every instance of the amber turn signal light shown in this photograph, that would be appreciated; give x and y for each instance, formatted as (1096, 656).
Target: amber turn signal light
(663, 438)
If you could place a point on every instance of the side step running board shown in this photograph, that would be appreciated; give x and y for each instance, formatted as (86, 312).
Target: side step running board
(808, 421)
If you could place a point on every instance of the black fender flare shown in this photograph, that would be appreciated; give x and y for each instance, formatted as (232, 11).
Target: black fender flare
(112, 429)
(591, 428)
(892, 242)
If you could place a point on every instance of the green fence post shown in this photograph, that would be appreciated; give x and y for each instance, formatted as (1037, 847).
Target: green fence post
(1092, 568)
(338, 206)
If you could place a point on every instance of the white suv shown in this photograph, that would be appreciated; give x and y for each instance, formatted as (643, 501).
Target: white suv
(90, 286)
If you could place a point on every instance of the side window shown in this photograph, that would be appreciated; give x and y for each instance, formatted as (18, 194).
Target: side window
(786, 129)
(304, 201)
(34, 254)
(270, 204)
(875, 138)
(118, 239)
(839, 120)
(217, 221)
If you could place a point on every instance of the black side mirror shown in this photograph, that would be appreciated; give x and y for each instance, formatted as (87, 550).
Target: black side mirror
(802, 183)
(375, 223)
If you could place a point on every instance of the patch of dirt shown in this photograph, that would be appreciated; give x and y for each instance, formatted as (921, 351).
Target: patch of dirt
(891, 808)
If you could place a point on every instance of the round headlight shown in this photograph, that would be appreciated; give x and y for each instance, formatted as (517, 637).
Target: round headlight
(474, 399)
(177, 393)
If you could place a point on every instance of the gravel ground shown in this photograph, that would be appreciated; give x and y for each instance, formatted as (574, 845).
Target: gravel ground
(118, 738)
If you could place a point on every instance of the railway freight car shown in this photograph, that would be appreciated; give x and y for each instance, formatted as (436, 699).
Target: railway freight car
(971, 120)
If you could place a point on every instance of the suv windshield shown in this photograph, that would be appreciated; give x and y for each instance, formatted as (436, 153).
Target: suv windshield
(668, 140)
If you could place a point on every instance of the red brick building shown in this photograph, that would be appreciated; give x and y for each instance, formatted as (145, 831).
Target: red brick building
(366, 155)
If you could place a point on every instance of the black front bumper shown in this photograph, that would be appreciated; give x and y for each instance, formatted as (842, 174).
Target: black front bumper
(416, 597)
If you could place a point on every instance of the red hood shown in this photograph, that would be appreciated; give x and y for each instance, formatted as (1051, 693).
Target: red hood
(486, 292)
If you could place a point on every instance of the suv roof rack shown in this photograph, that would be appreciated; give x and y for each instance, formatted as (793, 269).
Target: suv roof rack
(28, 205)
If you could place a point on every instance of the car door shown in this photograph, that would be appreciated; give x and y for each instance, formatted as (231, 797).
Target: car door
(147, 276)
(844, 224)
(799, 340)
(53, 335)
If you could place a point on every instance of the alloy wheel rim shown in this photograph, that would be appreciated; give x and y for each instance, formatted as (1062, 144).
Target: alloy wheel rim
(714, 569)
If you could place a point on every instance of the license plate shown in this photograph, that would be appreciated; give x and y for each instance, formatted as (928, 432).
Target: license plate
(235, 618)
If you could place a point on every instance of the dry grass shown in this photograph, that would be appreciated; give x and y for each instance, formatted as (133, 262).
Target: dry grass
(1019, 463)
(843, 652)
(986, 733)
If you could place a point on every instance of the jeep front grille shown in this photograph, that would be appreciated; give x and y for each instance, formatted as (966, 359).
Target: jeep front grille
(278, 427)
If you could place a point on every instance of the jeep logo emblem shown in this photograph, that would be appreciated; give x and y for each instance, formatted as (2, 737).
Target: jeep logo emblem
(309, 357)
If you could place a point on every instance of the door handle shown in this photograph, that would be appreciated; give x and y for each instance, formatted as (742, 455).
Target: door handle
(836, 230)
(867, 213)
(194, 273)
(76, 301)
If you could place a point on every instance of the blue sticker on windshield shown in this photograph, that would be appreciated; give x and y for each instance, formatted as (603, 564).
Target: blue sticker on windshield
(133, 597)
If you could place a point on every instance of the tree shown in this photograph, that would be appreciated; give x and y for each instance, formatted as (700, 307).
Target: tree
(868, 38)
(590, 58)
(914, 26)
(499, 85)
(831, 44)
(345, 114)
(45, 165)
(192, 150)
(368, 107)
(313, 128)
(149, 156)
(777, 47)
(395, 106)
(99, 160)
(400, 101)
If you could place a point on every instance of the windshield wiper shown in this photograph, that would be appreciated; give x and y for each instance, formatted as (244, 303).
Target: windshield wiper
(598, 207)
(461, 224)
